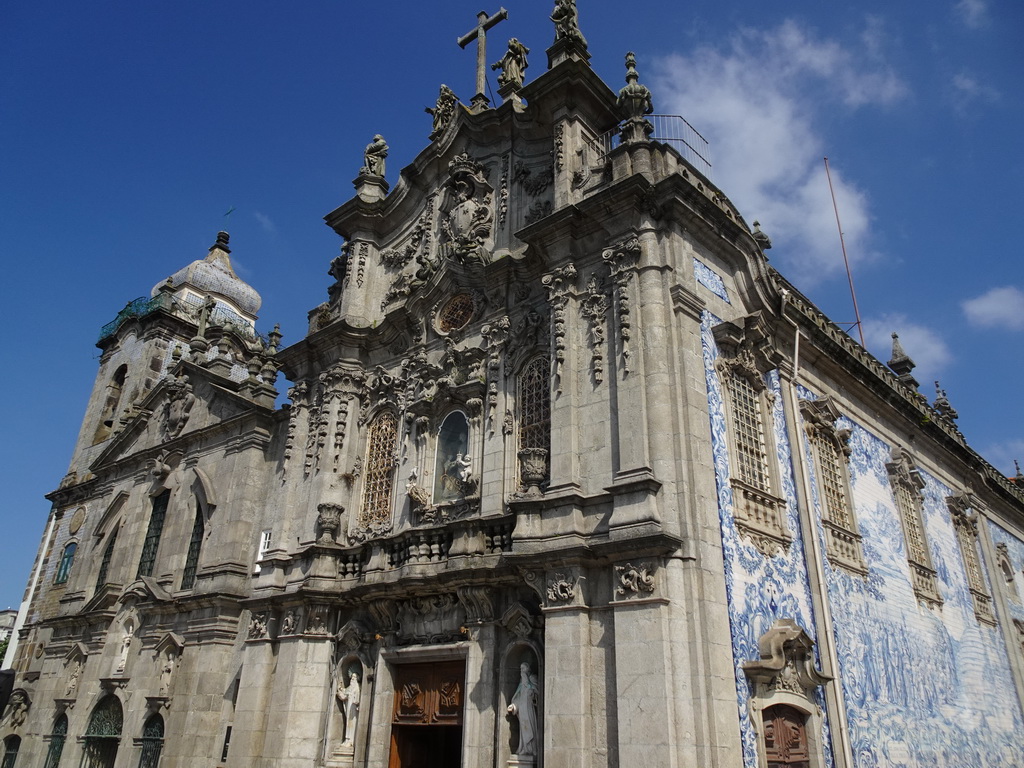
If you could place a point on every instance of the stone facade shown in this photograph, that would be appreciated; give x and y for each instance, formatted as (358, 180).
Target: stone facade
(568, 476)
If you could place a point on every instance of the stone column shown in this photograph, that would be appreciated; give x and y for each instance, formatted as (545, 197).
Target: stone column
(302, 687)
(250, 728)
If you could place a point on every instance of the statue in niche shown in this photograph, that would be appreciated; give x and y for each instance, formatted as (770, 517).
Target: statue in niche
(373, 157)
(166, 673)
(524, 707)
(348, 700)
(453, 467)
(443, 112)
(513, 64)
(126, 644)
(567, 22)
(288, 623)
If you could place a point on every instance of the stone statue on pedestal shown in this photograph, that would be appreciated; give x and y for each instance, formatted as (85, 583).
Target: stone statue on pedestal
(513, 64)
(348, 698)
(524, 707)
(373, 157)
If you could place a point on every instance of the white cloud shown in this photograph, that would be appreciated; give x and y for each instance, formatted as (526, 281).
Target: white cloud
(974, 13)
(967, 91)
(1001, 307)
(265, 222)
(759, 103)
(925, 346)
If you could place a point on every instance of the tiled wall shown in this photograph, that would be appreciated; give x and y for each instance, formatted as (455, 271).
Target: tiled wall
(922, 687)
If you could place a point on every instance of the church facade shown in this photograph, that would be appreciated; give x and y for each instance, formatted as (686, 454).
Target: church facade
(569, 476)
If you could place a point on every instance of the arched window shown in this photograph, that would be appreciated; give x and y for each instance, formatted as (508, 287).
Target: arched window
(67, 559)
(103, 734)
(11, 746)
(534, 403)
(452, 458)
(153, 533)
(101, 577)
(57, 737)
(152, 742)
(785, 737)
(195, 544)
(379, 475)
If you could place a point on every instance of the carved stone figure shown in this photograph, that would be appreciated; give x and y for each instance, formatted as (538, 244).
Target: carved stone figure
(17, 708)
(166, 673)
(513, 64)
(567, 22)
(258, 626)
(75, 672)
(126, 644)
(524, 707)
(443, 112)
(178, 406)
(373, 157)
(348, 698)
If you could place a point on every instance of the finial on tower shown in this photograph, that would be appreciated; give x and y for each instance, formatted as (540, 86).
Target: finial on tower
(634, 104)
(901, 364)
(222, 242)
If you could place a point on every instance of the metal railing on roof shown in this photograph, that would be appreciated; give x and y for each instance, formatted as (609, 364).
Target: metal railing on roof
(673, 130)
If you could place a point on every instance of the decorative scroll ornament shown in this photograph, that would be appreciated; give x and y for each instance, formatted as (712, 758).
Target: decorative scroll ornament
(558, 284)
(419, 240)
(297, 395)
(503, 192)
(594, 307)
(258, 626)
(560, 146)
(634, 580)
(561, 590)
(787, 661)
(622, 260)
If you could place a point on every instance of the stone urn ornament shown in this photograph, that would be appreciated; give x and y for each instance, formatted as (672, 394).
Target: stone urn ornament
(533, 469)
(329, 520)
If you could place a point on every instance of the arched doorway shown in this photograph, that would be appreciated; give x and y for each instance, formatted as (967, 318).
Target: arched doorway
(103, 734)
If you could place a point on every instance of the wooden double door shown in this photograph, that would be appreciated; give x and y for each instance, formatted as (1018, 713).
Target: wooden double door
(426, 719)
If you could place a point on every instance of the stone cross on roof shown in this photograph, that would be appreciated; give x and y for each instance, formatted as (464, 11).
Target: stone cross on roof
(483, 23)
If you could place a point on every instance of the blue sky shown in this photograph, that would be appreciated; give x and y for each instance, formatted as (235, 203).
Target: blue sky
(128, 130)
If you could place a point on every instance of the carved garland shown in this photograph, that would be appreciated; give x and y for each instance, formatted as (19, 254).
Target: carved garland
(594, 308)
(558, 284)
(622, 260)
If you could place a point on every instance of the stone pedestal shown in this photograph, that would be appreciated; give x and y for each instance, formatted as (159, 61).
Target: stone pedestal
(522, 761)
(567, 49)
(370, 189)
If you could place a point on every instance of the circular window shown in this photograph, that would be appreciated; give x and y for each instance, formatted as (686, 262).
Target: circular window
(456, 313)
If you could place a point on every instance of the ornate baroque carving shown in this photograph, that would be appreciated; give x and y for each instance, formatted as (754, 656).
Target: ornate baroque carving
(622, 260)
(177, 406)
(558, 284)
(634, 580)
(328, 521)
(594, 308)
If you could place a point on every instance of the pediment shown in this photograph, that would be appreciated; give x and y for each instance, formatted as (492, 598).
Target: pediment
(191, 400)
(144, 589)
(171, 642)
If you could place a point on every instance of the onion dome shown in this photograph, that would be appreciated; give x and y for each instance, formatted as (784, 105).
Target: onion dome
(213, 276)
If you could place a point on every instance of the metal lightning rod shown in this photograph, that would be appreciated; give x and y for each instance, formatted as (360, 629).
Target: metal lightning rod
(846, 261)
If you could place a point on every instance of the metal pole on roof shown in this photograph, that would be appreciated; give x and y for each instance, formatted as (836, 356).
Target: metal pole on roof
(846, 261)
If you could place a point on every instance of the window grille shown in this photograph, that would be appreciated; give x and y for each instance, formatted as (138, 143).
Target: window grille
(153, 533)
(379, 475)
(907, 485)
(456, 313)
(67, 559)
(965, 521)
(57, 738)
(11, 746)
(188, 578)
(103, 734)
(748, 432)
(152, 742)
(108, 553)
(535, 410)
